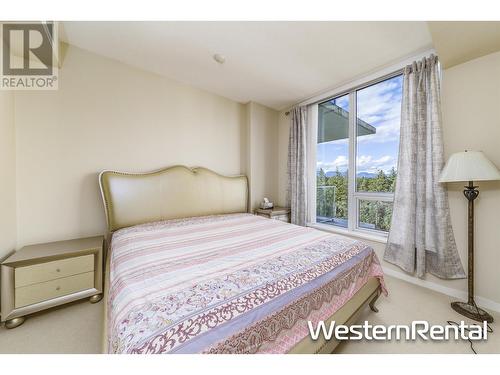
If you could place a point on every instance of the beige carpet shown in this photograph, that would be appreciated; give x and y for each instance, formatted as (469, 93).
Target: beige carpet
(77, 328)
(407, 302)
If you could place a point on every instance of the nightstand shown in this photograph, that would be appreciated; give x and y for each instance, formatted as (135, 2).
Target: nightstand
(277, 213)
(38, 277)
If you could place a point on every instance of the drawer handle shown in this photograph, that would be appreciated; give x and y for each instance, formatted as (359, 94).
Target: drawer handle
(58, 288)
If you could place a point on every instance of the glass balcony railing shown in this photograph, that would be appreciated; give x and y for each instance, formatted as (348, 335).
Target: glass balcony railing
(331, 207)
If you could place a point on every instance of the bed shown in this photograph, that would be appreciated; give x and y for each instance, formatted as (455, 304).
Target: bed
(189, 270)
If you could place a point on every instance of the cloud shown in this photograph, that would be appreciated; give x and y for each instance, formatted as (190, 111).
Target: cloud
(364, 163)
(343, 102)
(341, 162)
(380, 106)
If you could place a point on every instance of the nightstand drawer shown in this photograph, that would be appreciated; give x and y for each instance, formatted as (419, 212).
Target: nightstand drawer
(35, 293)
(53, 270)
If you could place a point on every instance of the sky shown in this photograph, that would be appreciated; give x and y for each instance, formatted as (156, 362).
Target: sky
(380, 106)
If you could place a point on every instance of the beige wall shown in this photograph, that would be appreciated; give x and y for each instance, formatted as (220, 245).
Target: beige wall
(7, 175)
(262, 157)
(471, 120)
(107, 115)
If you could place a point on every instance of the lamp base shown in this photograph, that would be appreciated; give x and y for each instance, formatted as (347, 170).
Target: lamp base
(471, 311)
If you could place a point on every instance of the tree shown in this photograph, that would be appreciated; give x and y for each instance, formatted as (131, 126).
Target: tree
(332, 195)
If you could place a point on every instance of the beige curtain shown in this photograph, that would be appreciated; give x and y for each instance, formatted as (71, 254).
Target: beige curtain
(297, 172)
(421, 237)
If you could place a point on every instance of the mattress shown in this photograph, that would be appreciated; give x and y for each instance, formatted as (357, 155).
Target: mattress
(236, 283)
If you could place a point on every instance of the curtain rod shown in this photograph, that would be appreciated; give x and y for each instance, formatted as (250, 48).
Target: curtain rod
(394, 70)
(356, 87)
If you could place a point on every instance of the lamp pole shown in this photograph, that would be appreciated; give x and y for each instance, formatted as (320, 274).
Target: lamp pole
(470, 166)
(471, 193)
(470, 308)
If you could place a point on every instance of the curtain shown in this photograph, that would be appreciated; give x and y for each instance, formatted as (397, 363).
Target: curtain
(297, 172)
(421, 237)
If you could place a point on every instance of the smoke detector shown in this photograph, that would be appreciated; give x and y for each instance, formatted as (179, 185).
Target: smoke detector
(221, 59)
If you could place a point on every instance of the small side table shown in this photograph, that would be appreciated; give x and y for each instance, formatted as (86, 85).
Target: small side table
(42, 276)
(276, 213)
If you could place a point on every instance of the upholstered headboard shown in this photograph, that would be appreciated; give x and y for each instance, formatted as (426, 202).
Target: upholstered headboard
(170, 193)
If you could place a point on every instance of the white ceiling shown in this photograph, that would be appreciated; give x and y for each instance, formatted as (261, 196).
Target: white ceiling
(275, 64)
(458, 42)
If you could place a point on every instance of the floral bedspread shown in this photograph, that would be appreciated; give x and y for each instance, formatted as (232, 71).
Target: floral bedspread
(235, 283)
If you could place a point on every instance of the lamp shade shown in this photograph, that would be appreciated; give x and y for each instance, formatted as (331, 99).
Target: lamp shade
(469, 166)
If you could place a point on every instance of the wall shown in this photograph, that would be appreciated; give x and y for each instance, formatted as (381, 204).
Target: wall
(7, 175)
(107, 115)
(471, 120)
(262, 157)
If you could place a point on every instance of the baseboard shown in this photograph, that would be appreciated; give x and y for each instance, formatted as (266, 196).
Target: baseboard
(459, 294)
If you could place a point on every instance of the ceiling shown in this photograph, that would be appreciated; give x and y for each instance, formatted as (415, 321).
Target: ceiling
(276, 64)
(458, 42)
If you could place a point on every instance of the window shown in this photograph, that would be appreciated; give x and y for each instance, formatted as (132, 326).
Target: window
(356, 156)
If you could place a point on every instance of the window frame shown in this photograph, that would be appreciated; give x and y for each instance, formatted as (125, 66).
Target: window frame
(353, 196)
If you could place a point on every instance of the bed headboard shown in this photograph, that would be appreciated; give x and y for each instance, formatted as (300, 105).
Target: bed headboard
(170, 193)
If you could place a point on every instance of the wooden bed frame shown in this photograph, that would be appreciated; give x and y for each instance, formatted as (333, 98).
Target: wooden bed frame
(177, 192)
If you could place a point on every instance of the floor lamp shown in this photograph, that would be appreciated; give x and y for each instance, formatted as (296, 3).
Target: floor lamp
(470, 166)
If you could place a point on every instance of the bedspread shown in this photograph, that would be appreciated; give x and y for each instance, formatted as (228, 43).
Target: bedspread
(235, 283)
